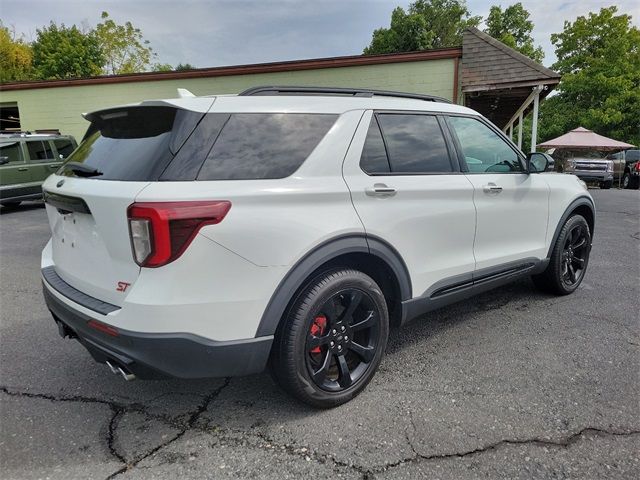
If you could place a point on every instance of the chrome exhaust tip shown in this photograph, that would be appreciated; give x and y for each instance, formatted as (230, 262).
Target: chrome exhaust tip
(128, 376)
(112, 367)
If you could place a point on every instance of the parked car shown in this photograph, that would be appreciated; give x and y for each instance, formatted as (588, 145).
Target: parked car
(26, 160)
(291, 227)
(629, 169)
(597, 170)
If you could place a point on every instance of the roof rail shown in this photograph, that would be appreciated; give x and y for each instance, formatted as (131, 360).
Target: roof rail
(14, 132)
(46, 131)
(334, 91)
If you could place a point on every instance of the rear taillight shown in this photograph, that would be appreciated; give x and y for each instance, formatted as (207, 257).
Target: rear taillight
(161, 231)
(636, 167)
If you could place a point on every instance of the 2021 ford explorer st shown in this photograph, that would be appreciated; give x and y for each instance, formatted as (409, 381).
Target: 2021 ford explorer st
(291, 227)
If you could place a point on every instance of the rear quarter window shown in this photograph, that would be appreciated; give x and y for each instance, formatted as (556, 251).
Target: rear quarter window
(264, 145)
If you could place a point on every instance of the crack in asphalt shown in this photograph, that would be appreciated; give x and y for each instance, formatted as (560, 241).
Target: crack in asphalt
(269, 444)
(111, 433)
(562, 443)
(193, 418)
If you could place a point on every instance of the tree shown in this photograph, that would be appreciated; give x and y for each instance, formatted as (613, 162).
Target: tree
(124, 47)
(16, 57)
(427, 24)
(184, 66)
(599, 59)
(162, 67)
(513, 28)
(65, 52)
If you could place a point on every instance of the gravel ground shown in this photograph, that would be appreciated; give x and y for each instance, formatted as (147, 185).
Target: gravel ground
(511, 384)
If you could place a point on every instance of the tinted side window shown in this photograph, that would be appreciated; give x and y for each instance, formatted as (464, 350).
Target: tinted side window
(39, 151)
(262, 146)
(64, 146)
(633, 155)
(483, 150)
(186, 164)
(11, 152)
(415, 143)
(374, 155)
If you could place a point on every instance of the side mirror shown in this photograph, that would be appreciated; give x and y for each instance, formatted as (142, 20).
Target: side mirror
(539, 162)
(4, 160)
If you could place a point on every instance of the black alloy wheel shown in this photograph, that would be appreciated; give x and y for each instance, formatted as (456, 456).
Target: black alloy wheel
(343, 339)
(575, 255)
(331, 340)
(569, 258)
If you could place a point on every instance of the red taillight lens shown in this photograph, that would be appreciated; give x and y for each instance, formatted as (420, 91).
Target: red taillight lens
(637, 167)
(161, 231)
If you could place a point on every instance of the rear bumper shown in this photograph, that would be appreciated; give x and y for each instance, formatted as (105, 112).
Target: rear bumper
(158, 355)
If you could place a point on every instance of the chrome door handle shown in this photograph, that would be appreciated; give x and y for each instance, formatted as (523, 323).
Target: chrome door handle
(23, 169)
(380, 190)
(492, 188)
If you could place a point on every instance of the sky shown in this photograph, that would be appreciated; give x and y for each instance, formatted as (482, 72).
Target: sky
(215, 33)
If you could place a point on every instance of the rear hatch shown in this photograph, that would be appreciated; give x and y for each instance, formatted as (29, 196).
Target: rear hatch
(123, 151)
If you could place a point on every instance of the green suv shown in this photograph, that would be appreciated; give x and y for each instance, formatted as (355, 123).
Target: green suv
(26, 160)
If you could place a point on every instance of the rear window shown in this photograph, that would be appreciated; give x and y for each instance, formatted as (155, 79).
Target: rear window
(134, 144)
(264, 146)
(64, 146)
(632, 155)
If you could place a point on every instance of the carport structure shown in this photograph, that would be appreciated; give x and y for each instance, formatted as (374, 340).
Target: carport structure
(503, 84)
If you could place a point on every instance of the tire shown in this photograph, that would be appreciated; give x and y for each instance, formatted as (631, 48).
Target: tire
(606, 185)
(313, 357)
(626, 181)
(567, 266)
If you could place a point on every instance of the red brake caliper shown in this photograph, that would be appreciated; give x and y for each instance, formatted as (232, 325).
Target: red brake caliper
(317, 329)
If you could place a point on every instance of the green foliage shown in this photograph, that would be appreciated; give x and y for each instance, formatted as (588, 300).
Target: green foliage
(124, 47)
(427, 24)
(162, 67)
(184, 66)
(513, 28)
(66, 52)
(599, 59)
(16, 57)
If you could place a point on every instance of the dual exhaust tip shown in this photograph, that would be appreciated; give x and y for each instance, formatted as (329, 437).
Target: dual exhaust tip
(116, 369)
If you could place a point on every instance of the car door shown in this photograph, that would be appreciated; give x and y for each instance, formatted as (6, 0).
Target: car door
(42, 161)
(408, 191)
(512, 206)
(15, 178)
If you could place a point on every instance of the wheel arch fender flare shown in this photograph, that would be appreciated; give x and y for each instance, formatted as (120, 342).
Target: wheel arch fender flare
(320, 255)
(582, 201)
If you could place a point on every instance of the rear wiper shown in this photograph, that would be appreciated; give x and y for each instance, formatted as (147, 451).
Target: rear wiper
(81, 170)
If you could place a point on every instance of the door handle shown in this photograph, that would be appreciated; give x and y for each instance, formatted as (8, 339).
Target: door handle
(492, 188)
(23, 169)
(54, 166)
(380, 190)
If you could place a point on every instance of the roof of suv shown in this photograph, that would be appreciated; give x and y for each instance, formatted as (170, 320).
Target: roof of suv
(292, 102)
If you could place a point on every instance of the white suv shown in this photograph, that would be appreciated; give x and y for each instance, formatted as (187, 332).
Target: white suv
(291, 227)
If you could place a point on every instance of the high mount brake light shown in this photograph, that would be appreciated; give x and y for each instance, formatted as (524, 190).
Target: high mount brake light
(161, 231)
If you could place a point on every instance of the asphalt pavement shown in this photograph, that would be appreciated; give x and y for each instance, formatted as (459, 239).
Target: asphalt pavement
(511, 384)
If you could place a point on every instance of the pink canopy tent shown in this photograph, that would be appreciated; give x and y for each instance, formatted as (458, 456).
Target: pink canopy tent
(582, 138)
